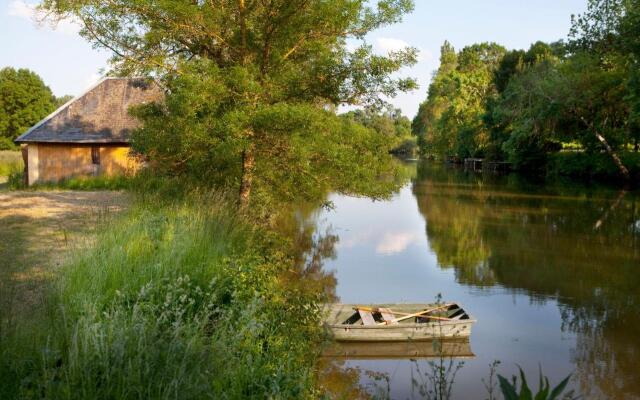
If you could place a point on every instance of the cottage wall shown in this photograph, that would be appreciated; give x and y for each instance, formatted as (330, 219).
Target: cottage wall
(54, 162)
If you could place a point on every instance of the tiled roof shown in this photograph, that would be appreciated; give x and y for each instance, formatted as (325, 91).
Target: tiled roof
(100, 115)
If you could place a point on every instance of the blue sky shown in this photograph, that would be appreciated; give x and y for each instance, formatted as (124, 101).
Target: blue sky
(68, 64)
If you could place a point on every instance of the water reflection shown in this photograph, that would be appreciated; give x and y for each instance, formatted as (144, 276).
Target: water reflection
(398, 350)
(579, 246)
(552, 272)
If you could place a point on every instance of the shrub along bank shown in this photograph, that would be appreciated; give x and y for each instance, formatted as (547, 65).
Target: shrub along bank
(180, 299)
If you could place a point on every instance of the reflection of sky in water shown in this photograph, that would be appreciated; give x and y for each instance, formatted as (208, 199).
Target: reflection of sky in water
(383, 256)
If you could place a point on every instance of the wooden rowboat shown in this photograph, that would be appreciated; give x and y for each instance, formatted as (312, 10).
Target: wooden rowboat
(398, 322)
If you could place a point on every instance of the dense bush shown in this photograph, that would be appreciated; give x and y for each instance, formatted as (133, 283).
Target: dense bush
(597, 166)
(7, 144)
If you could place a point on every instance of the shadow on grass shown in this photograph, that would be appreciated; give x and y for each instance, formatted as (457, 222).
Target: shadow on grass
(37, 232)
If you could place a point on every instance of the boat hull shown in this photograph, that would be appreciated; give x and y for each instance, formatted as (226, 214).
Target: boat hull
(454, 329)
(414, 332)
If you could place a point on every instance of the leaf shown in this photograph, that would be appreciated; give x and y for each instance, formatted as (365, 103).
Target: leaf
(508, 390)
(544, 390)
(557, 391)
(525, 392)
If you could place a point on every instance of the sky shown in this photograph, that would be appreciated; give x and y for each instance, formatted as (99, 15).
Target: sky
(68, 64)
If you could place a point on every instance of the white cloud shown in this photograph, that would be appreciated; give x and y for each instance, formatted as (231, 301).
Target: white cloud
(348, 241)
(19, 8)
(386, 45)
(29, 11)
(393, 243)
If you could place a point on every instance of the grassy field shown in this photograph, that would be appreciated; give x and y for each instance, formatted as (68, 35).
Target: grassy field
(38, 231)
(171, 300)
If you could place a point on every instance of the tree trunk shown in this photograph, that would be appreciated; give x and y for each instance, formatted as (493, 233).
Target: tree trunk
(614, 156)
(623, 170)
(248, 163)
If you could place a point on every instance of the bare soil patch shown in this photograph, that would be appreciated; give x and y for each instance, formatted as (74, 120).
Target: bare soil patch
(38, 230)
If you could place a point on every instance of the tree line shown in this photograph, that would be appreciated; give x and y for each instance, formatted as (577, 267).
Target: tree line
(570, 107)
(24, 100)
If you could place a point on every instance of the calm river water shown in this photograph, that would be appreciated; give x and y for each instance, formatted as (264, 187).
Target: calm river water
(550, 271)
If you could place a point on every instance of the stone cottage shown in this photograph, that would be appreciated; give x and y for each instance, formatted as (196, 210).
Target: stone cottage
(89, 135)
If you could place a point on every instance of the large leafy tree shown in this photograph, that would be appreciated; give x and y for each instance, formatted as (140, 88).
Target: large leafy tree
(629, 41)
(24, 100)
(450, 122)
(252, 84)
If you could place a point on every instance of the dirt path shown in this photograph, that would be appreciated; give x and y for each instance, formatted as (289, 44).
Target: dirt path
(39, 229)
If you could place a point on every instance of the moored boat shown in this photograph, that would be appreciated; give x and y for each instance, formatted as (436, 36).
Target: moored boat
(398, 322)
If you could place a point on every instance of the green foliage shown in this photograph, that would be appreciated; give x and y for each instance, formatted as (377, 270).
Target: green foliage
(391, 124)
(592, 166)
(205, 129)
(117, 182)
(7, 144)
(173, 300)
(545, 392)
(584, 91)
(252, 87)
(450, 122)
(24, 100)
(60, 101)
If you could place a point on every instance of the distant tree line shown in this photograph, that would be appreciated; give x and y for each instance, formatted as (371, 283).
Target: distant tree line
(24, 100)
(391, 124)
(571, 107)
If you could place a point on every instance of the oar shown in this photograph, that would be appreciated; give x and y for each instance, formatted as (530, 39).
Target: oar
(407, 315)
(418, 314)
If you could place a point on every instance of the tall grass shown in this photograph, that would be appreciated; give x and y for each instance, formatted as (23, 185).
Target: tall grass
(10, 162)
(175, 300)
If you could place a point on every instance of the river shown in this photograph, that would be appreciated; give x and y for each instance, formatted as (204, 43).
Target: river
(551, 272)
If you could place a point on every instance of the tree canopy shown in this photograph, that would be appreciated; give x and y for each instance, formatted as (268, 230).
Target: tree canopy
(526, 106)
(24, 100)
(252, 85)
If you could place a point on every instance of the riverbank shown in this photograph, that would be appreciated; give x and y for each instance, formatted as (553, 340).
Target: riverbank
(577, 167)
(173, 298)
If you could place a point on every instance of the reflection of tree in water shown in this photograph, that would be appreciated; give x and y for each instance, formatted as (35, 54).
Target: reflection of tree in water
(338, 381)
(453, 229)
(311, 244)
(579, 246)
(310, 248)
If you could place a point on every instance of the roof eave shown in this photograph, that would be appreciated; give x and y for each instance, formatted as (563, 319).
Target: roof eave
(88, 141)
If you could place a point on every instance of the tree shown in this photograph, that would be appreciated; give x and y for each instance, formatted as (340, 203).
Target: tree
(571, 100)
(259, 64)
(629, 40)
(390, 122)
(63, 99)
(426, 124)
(451, 121)
(597, 30)
(24, 100)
